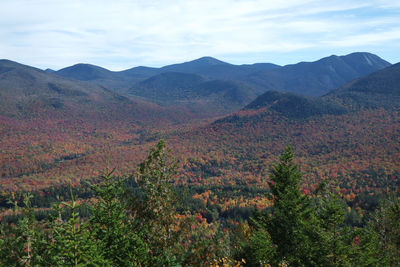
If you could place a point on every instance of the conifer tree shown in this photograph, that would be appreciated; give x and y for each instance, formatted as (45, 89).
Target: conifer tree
(290, 229)
(70, 241)
(335, 247)
(112, 224)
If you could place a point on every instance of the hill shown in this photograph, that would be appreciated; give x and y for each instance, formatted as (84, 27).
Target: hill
(294, 106)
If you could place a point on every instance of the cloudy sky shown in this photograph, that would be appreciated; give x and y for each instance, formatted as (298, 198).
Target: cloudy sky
(121, 34)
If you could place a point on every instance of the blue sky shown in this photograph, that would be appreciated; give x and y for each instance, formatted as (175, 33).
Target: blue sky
(121, 34)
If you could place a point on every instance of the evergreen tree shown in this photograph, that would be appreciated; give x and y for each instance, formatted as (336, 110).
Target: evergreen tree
(335, 246)
(291, 223)
(112, 224)
(70, 241)
(19, 243)
(288, 233)
(379, 242)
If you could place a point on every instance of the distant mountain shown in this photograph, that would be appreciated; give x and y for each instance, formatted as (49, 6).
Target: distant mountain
(379, 89)
(319, 77)
(196, 66)
(85, 72)
(27, 92)
(49, 70)
(116, 80)
(160, 85)
(195, 92)
(217, 69)
(122, 80)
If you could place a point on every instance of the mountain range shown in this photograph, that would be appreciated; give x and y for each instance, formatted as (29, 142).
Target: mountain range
(212, 87)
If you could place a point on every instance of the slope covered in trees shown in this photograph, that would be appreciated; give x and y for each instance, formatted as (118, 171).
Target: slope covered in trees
(295, 106)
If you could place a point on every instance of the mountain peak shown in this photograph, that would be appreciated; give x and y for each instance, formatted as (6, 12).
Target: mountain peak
(84, 72)
(208, 61)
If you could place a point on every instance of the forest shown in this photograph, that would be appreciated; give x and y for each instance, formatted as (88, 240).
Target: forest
(147, 219)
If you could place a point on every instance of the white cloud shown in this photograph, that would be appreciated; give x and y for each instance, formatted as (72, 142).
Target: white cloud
(367, 39)
(120, 34)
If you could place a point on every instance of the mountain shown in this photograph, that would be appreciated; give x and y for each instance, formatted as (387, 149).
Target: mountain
(54, 129)
(304, 78)
(24, 89)
(85, 72)
(116, 80)
(379, 89)
(202, 95)
(123, 80)
(195, 66)
(27, 92)
(217, 69)
(319, 77)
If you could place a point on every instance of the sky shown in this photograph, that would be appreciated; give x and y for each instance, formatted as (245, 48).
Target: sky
(121, 34)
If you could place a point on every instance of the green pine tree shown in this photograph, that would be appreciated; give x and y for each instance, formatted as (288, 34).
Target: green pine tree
(70, 241)
(288, 233)
(112, 224)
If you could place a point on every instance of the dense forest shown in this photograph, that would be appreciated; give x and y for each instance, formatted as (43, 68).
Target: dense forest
(146, 219)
